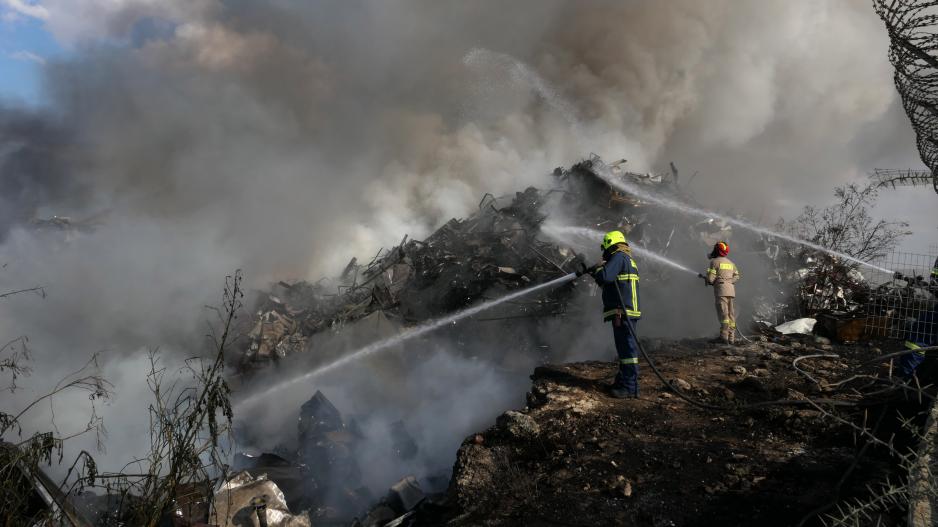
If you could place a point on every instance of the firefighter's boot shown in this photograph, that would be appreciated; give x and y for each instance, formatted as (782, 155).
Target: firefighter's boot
(620, 392)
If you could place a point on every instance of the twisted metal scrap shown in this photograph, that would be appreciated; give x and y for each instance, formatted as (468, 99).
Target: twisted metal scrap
(912, 26)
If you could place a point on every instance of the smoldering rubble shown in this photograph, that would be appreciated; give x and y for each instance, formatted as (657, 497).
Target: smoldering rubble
(315, 475)
(416, 280)
(501, 247)
(163, 142)
(492, 251)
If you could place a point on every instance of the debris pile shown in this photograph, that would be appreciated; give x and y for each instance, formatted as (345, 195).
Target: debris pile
(255, 501)
(903, 299)
(497, 249)
(826, 285)
(587, 199)
(501, 247)
(321, 476)
(397, 508)
(851, 307)
(416, 280)
(574, 455)
(327, 445)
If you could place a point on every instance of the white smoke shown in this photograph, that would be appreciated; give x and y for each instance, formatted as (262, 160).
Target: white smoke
(284, 138)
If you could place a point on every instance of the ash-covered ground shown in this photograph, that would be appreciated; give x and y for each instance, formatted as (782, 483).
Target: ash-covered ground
(575, 456)
(350, 434)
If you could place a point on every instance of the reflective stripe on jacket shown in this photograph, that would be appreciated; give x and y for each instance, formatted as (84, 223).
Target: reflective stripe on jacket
(619, 271)
(923, 332)
(722, 275)
(915, 347)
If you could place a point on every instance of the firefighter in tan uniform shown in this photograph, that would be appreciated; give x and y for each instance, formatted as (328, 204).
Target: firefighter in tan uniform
(723, 275)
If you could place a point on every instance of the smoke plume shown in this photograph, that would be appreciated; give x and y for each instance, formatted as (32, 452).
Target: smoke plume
(191, 138)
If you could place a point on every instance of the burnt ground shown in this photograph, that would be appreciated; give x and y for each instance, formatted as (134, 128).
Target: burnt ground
(576, 456)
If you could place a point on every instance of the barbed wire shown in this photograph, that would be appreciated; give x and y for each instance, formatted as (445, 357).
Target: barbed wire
(912, 26)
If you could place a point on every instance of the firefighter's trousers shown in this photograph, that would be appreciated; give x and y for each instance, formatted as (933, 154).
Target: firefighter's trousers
(627, 351)
(909, 362)
(726, 311)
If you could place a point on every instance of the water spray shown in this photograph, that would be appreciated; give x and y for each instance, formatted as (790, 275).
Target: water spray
(603, 172)
(593, 234)
(406, 335)
(427, 327)
(523, 73)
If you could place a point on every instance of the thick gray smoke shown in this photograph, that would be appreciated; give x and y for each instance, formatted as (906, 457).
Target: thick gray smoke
(285, 137)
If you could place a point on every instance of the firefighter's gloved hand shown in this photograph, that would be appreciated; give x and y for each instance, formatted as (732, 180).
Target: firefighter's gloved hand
(594, 272)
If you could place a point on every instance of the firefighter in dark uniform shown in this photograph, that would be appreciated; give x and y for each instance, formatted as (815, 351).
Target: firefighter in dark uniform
(618, 277)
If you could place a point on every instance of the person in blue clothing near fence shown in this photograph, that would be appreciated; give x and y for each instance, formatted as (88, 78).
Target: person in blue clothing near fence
(923, 333)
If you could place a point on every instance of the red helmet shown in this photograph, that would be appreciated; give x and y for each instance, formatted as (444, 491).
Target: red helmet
(721, 249)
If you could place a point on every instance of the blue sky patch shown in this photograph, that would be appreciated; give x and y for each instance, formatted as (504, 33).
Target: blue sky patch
(25, 46)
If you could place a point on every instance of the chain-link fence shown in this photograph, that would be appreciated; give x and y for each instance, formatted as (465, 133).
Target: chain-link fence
(902, 304)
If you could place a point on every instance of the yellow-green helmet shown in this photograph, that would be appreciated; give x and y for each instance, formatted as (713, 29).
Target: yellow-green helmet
(613, 237)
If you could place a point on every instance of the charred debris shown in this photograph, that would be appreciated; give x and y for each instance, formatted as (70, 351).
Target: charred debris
(483, 256)
(462, 262)
(493, 251)
(573, 456)
(502, 246)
